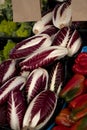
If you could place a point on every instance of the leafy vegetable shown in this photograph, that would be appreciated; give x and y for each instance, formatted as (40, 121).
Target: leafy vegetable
(7, 70)
(3, 113)
(10, 44)
(4, 54)
(7, 28)
(1, 56)
(15, 83)
(37, 81)
(24, 30)
(16, 109)
(40, 110)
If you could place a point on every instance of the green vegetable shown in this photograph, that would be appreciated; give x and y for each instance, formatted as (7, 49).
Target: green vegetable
(1, 56)
(24, 30)
(12, 29)
(7, 28)
(7, 48)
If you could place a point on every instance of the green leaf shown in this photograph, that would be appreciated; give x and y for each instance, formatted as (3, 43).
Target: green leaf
(7, 48)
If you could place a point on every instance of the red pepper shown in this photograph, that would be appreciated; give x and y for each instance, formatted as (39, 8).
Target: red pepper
(80, 109)
(82, 99)
(85, 84)
(78, 114)
(63, 117)
(80, 65)
(60, 127)
(73, 88)
(83, 62)
(80, 125)
(79, 69)
(82, 55)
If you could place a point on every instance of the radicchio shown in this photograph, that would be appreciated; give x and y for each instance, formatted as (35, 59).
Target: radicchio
(62, 15)
(7, 70)
(56, 77)
(69, 38)
(37, 81)
(40, 110)
(43, 23)
(15, 83)
(44, 57)
(28, 46)
(16, 110)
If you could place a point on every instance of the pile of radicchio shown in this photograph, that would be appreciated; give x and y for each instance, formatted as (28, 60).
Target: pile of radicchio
(28, 86)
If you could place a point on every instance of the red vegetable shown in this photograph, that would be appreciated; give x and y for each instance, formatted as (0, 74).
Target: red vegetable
(63, 118)
(62, 37)
(62, 15)
(50, 30)
(68, 38)
(61, 127)
(77, 68)
(85, 83)
(80, 65)
(43, 23)
(15, 83)
(56, 77)
(7, 70)
(73, 88)
(43, 57)
(81, 56)
(30, 45)
(16, 110)
(80, 125)
(3, 115)
(37, 81)
(78, 100)
(40, 110)
(80, 109)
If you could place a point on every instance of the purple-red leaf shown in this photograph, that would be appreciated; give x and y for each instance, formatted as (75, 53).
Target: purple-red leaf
(37, 81)
(16, 110)
(15, 83)
(62, 15)
(62, 37)
(51, 31)
(44, 57)
(30, 45)
(56, 77)
(74, 43)
(7, 70)
(69, 38)
(45, 21)
(40, 110)
(3, 114)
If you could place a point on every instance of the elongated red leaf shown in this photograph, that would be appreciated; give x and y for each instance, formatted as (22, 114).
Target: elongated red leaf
(14, 83)
(37, 81)
(16, 110)
(40, 110)
(44, 57)
(56, 77)
(30, 45)
(7, 70)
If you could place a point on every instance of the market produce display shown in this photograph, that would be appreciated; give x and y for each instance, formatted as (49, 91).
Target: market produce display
(35, 76)
(13, 32)
(74, 115)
